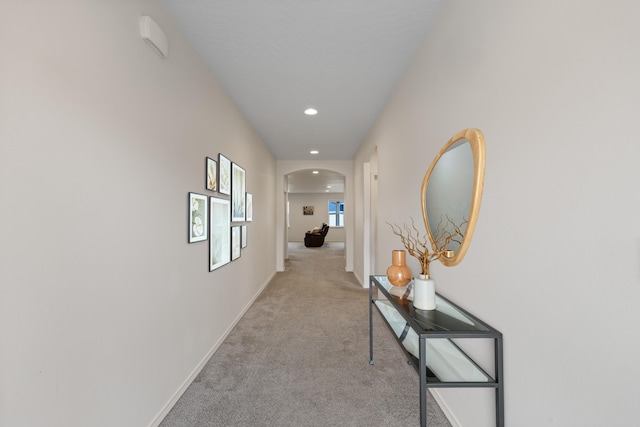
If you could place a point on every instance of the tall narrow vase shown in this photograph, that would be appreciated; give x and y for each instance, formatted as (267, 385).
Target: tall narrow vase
(399, 273)
(424, 293)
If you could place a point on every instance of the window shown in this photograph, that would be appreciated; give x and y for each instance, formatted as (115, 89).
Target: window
(336, 213)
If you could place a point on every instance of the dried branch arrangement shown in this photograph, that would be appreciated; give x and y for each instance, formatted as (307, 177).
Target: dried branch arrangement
(417, 244)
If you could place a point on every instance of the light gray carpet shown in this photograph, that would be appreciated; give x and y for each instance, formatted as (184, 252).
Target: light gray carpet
(300, 357)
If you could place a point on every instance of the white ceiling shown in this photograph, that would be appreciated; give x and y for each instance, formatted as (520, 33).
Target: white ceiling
(275, 58)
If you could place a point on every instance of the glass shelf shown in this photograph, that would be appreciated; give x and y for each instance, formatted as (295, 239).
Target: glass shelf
(445, 360)
(437, 332)
(446, 316)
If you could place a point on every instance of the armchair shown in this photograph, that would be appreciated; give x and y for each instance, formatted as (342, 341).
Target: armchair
(315, 238)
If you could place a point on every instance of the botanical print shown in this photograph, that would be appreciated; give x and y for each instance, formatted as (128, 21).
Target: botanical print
(237, 193)
(212, 175)
(235, 242)
(249, 207)
(197, 217)
(224, 177)
(244, 236)
(220, 235)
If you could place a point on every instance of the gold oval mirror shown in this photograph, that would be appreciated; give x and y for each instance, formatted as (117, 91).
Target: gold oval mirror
(451, 193)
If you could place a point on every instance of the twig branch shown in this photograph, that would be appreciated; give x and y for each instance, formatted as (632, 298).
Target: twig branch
(417, 245)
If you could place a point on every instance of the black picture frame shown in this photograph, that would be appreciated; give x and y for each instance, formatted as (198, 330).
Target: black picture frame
(249, 208)
(244, 237)
(198, 218)
(238, 194)
(211, 174)
(236, 242)
(219, 233)
(224, 174)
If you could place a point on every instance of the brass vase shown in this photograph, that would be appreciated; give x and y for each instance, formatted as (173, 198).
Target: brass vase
(399, 273)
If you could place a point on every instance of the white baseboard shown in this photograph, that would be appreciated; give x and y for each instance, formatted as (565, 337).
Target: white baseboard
(447, 412)
(359, 279)
(187, 382)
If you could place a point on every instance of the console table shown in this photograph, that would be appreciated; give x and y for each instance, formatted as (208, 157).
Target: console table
(426, 336)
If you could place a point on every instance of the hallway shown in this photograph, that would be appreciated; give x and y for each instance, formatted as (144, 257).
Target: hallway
(299, 357)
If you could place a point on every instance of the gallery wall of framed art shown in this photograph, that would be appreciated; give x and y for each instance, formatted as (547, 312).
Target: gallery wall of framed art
(221, 218)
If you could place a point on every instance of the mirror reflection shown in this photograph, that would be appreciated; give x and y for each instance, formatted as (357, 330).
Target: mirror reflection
(451, 193)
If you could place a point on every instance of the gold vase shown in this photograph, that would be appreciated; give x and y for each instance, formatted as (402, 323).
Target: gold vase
(399, 273)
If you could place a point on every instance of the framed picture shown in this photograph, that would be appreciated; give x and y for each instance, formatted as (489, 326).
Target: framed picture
(244, 237)
(197, 217)
(249, 207)
(236, 232)
(219, 233)
(212, 174)
(238, 201)
(224, 175)
(307, 210)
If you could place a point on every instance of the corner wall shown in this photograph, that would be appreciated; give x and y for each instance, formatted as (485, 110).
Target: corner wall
(554, 263)
(105, 311)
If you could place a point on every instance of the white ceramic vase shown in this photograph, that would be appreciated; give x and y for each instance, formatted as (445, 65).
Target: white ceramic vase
(424, 293)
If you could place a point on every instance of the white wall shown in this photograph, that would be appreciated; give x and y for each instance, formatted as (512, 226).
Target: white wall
(554, 263)
(105, 310)
(299, 223)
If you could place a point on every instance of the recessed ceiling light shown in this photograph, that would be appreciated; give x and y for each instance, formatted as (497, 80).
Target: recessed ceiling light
(328, 186)
(311, 111)
(314, 151)
(315, 172)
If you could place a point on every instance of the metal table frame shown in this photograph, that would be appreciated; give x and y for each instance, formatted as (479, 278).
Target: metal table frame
(405, 308)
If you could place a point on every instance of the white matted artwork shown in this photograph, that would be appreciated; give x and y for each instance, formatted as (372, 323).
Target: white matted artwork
(220, 233)
(224, 174)
(236, 232)
(244, 237)
(249, 207)
(238, 200)
(197, 217)
(212, 174)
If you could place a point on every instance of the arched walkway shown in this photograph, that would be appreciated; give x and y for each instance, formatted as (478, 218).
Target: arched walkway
(283, 169)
